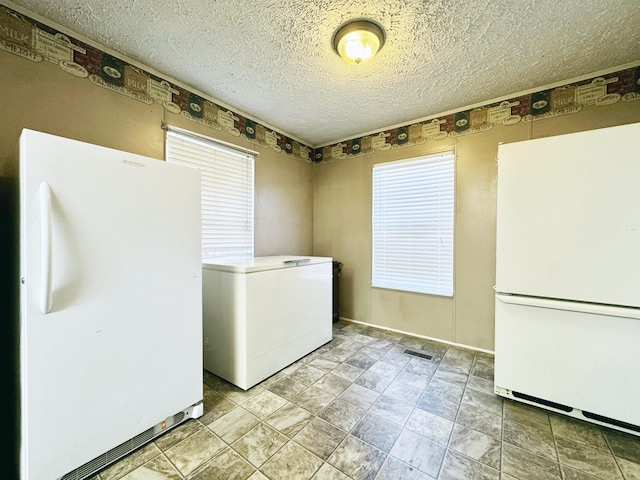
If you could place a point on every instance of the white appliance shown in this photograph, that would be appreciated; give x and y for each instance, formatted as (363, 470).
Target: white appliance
(111, 313)
(567, 326)
(264, 313)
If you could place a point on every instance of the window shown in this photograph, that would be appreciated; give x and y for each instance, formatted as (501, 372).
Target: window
(413, 224)
(227, 191)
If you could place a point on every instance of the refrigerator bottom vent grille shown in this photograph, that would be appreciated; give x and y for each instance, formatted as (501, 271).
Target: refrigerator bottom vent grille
(542, 401)
(612, 421)
(418, 354)
(92, 467)
(177, 418)
(577, 413)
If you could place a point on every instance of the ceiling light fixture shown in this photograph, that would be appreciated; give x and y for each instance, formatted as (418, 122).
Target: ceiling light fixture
(359, 40)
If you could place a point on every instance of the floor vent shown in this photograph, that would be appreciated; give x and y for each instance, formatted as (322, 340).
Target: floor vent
(418, 354)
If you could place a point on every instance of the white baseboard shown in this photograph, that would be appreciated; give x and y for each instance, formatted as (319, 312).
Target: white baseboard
(461, 345)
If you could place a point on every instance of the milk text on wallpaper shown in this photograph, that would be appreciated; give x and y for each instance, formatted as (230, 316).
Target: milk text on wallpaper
(37, 42)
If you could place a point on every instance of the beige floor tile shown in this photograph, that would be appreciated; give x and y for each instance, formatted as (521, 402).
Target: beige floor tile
(360, 408)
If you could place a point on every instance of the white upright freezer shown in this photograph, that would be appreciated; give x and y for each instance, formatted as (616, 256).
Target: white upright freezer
(110, 308)
(264, 313)
(567, 333)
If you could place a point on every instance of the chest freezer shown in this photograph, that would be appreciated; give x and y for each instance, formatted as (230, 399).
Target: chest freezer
(261, 314)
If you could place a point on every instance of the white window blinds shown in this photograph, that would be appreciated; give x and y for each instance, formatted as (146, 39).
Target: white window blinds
(413, 207)
(227, 175)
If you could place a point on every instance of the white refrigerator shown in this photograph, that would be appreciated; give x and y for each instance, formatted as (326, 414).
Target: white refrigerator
(110, 303)
(567, 331)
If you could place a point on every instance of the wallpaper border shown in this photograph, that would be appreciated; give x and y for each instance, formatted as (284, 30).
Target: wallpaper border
(37, 42)
(623, 85)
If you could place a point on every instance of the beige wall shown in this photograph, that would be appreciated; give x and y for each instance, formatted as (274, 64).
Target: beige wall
(41, 96)
(342, 229)
(305, 209)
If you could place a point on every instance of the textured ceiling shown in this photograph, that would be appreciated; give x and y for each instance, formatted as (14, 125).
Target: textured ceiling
(273, 60)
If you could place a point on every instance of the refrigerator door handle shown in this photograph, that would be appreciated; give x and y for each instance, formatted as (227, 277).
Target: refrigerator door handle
(45, 247)
(594, 308)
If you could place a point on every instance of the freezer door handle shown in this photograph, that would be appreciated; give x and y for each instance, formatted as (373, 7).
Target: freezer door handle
(297, 262)
(45, 247)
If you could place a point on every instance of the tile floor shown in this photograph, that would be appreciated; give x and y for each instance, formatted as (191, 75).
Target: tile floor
(360, 408)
